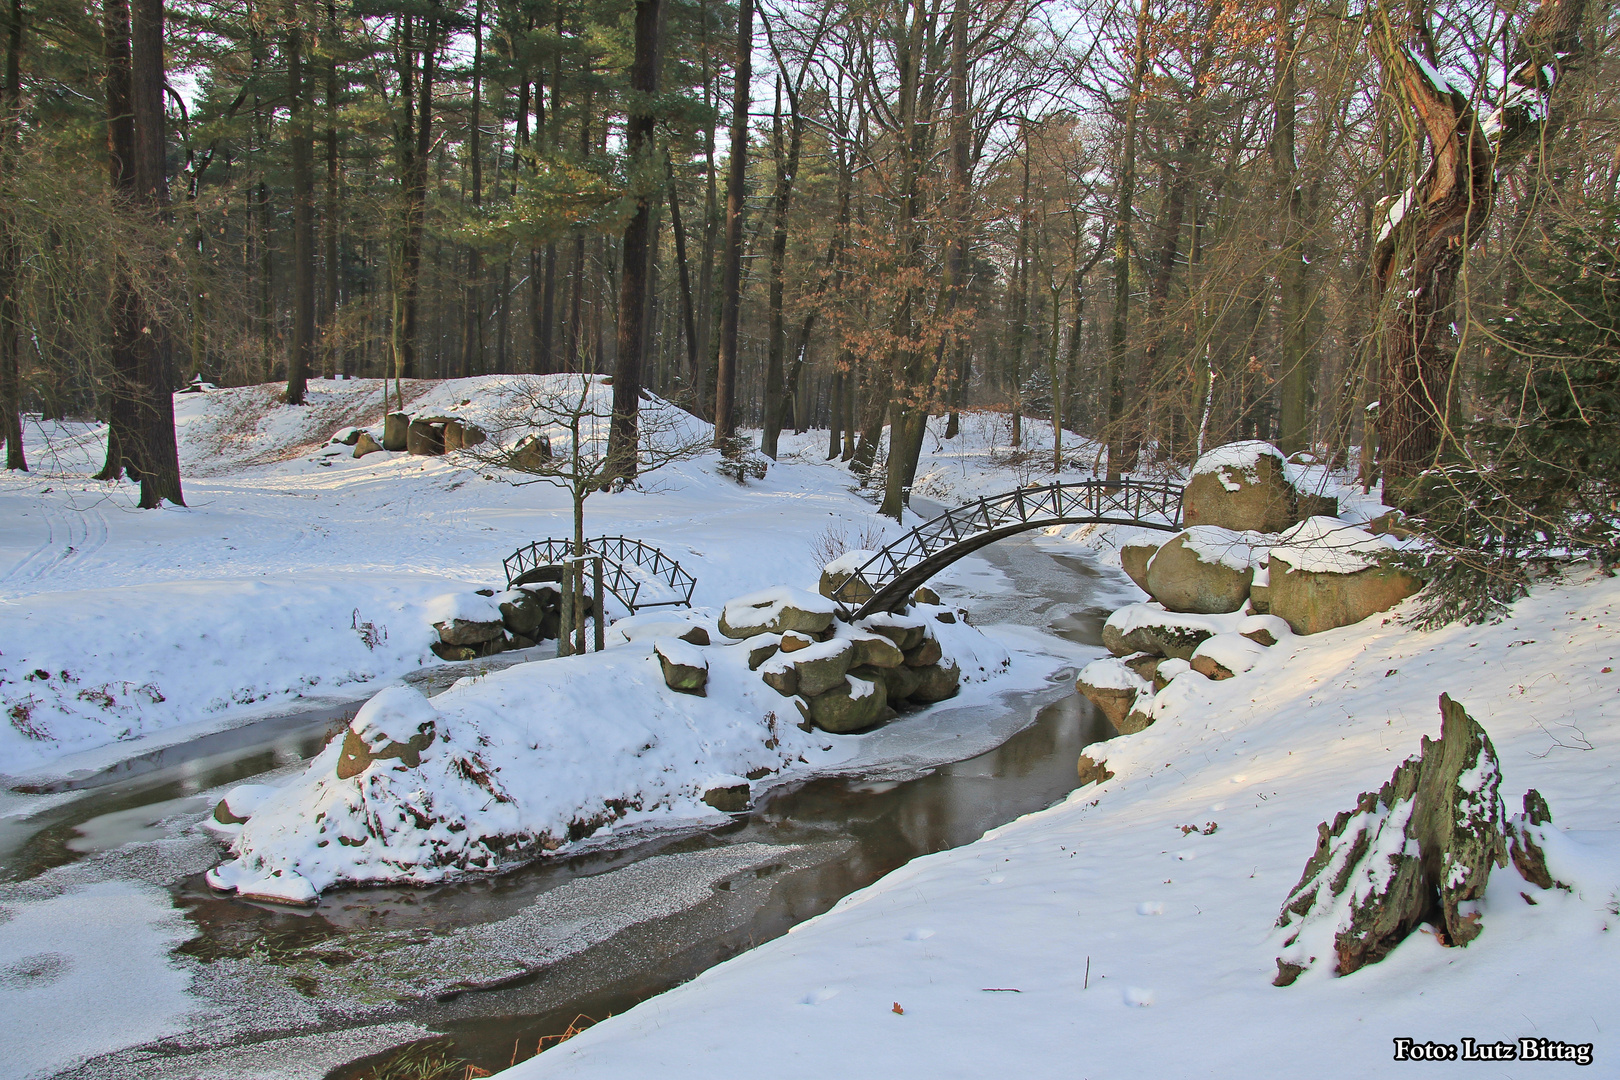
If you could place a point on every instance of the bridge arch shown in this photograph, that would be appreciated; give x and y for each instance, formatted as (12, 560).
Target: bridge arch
(885, 580)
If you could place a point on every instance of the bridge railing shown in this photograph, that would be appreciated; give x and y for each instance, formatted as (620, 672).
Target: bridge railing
(1141, 502)
(627, 566)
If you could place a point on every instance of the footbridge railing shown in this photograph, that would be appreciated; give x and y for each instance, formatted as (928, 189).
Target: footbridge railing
(890, 575)
(639, 575)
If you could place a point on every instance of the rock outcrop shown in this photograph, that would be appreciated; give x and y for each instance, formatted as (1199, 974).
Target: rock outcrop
(773, 611)
(1419, 850)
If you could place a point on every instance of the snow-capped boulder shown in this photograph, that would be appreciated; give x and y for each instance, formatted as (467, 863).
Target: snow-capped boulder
(365, 444)
(906, 632)
(1264, 630)
(1226, 655)
(1205, 569)
(240, 803)
(395, 425)
(816, 668)
(1325, 573)
(1242, 486)
(1111, 686)
(684, 666)
(840, 570)
(397, 723)
(1149, 628)
(875, 650)
(774, 611)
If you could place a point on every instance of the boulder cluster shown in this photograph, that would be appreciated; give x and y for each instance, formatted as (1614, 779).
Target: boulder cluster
(843, 677)
(1258, 559)
(529, 614)
(427, 435)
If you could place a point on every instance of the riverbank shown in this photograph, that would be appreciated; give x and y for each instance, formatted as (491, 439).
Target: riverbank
(1129, 930)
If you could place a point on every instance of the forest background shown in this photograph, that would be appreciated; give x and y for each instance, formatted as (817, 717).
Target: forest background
(1378, 232)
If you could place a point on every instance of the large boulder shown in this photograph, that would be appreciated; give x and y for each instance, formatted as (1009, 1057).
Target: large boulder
(1241, 486)
(364, 444)
(1324, 573)
(840, 570)
(1226, 655)
(855, 705)
(468, 631)
(1112, 687)
(522, 611)
(395, 425)
(818, 667)
(906, 633)
(397, 723)
(1134, 558)
(1205, 569)
(424, 439)
(875, 650)
(774, 611)
(936, 682)
(531, 453)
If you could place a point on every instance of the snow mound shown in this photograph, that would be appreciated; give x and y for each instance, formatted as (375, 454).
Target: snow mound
(523, 761)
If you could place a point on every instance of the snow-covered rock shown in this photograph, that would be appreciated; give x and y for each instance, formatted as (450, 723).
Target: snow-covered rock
(1205, 569)
(773, 611)
(1324, 573)
(1242, 486)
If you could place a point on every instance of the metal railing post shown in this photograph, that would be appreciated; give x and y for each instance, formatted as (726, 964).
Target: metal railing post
(601, 622)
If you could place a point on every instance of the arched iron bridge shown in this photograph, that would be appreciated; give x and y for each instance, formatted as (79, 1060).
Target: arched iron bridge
(884, 581)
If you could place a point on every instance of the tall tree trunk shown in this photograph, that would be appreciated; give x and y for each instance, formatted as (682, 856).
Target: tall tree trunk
(10, 255)
(1123, 437)
(1424, 235)
(301, 358)
(472, 335)
(711, 218)
(688, 315)
(1297, 377)
(787, 167)
(725, 385)
(123, 313)
(329, 307)
(159, 455)
(639, 136)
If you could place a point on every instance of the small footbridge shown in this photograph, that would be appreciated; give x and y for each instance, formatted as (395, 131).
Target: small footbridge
(885, 580)
(639, 575)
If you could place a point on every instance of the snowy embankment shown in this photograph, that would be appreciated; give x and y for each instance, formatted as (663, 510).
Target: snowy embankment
(1129, 931)
(298, 573)
(523, 761)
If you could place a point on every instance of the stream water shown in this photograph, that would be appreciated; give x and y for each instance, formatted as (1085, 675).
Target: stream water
(498, 964)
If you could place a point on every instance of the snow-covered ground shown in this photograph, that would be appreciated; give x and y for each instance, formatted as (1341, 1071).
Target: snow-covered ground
(1129, 931)
(1126, 932)
(298, 574)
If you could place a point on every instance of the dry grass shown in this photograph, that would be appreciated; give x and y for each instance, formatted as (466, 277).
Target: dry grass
(834, 541)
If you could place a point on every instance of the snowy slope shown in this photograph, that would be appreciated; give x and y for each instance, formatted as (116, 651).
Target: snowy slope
(1128, 932)
(116, 622)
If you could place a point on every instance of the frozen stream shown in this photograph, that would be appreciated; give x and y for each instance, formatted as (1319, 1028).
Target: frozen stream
(498, 963)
